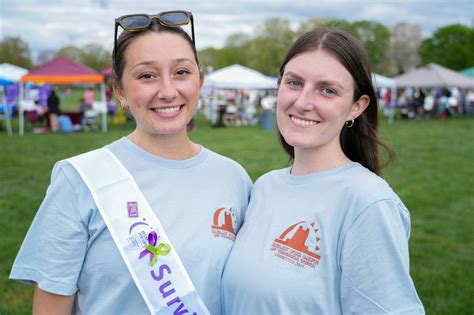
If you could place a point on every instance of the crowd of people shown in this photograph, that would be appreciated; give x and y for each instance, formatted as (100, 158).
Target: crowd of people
(442, 103)
(234, 107)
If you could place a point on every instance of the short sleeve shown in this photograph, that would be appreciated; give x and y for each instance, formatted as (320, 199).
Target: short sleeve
(244, 186)
(53, 250)
(374, 262)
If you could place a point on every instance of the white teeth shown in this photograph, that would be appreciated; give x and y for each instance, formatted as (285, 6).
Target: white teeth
(302, 122)
(167, 110)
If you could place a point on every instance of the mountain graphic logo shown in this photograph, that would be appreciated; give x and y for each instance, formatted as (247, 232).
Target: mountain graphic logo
(303, 237)
(224, 223)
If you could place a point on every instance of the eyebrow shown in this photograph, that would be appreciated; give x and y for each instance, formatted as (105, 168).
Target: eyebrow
(152, 63)
(323, 82)
(179, 60)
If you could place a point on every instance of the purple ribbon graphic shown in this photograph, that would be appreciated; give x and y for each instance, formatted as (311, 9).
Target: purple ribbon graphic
(162, 248)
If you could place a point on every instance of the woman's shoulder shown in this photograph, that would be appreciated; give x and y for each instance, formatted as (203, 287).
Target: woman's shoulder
(65, 168)
(366, 189)
(225, 165)
(365, 182)
(64, 172)
(222, 160)
(271, 176)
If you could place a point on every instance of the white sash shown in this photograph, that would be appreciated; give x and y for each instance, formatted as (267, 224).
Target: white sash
(141, 240)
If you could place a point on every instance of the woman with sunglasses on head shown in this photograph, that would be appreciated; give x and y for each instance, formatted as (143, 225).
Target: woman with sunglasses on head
(146, 223)
(326, 235)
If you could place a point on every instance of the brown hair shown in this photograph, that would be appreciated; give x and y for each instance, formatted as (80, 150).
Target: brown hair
(125, 38)
(359, 143)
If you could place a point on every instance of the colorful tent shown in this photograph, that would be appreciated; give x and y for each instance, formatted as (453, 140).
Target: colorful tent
(5, 82)
(469, 72)
(62, 70)
(107, 71)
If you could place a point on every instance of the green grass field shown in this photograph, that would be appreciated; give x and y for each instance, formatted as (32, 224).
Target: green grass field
(433, 174)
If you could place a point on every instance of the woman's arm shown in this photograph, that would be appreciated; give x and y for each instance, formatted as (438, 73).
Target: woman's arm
(45, 303)
(374, 262)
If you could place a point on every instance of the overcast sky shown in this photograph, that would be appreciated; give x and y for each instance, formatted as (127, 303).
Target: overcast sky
(52, 24)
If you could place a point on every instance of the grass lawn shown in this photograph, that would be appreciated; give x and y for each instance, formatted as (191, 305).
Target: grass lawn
(433, 174)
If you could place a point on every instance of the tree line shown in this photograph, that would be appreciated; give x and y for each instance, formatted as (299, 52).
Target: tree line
(451, 46)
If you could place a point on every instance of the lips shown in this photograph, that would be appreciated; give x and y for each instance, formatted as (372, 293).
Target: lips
(303, 122)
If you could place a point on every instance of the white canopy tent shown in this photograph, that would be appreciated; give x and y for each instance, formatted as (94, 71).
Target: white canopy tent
(11, 72)
(380, 82)
(239, 77)
(434, 76)
(235, 77)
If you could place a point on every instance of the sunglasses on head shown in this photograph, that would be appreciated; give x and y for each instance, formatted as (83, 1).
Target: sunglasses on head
(139, 22)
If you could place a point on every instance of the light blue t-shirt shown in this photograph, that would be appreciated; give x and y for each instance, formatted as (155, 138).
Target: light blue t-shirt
(69, 250)
(326, 243)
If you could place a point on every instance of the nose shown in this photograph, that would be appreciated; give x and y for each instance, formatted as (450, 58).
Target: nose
(305, 99)
(166, 89)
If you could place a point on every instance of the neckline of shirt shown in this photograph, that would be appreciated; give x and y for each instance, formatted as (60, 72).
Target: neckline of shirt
(303, 179)
(167, 163)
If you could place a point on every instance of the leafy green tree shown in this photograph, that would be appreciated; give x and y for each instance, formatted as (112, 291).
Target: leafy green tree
(374, 36)
(72, 52)
(451, 46)
(237, 40)
(15, 51)
(207, 57)
(228, 56)
(92, 55)
(266, 51)
(325, 22)
(95, 57)
(231, 53)
(376, 39)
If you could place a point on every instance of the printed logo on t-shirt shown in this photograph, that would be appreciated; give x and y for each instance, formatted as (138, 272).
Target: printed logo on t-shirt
(224, 223)
(298, 245)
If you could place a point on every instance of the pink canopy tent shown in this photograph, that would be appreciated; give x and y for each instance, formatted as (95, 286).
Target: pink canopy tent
(61, 71)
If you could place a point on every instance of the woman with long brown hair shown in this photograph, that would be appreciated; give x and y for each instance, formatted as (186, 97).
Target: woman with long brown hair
(326, 235)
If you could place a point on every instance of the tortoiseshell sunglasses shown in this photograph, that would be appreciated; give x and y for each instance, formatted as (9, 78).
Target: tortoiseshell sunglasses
(138, 22)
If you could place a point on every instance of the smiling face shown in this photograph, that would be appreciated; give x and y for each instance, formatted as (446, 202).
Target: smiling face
(160, 84)
(315, 99)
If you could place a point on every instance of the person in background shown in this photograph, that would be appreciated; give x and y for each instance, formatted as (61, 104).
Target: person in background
(89, 96)
(199, 196)
(470, 101)
(419, 100)
(326, 235)
(83, 106)
(53, 110)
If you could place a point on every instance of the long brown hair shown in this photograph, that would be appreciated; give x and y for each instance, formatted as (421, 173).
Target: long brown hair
(359, 143)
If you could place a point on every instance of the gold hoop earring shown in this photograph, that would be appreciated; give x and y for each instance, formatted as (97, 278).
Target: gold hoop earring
(350, 123)
(124, 108)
